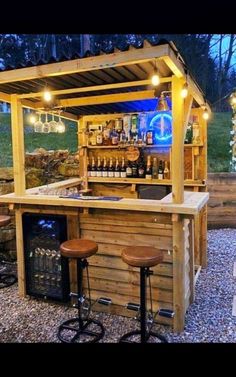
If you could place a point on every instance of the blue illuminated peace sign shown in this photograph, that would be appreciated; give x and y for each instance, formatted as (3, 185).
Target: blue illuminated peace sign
(162, 127)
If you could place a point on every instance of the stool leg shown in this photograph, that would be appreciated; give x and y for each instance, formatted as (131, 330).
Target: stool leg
(143, 274)
(80, 288)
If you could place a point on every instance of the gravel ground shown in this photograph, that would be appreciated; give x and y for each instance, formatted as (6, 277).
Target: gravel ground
(208, 320)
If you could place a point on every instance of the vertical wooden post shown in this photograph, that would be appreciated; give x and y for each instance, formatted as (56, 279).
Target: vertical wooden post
(178, 273)
(18, 149)
(203, 238)
(20, 253)
(82, 142)
(191, 261)
(177, 161)
(73, 231)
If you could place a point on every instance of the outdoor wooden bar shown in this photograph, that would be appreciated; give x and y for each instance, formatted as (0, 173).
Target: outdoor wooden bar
(176, 223)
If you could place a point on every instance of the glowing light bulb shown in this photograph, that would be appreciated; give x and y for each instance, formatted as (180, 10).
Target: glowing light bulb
(184, 91)
(205, 114)
(155, 79)
(47, 96)
(233, 100)
(32, 118)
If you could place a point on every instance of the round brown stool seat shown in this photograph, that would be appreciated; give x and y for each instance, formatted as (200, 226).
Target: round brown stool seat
(6, 279)
(81, 328)
(142, 256)
(78, 248)
(4, 220)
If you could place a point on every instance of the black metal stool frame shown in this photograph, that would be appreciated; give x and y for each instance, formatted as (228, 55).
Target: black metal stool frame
(145, 335)
(83, 324)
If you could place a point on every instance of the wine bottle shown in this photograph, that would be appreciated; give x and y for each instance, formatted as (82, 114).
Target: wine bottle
(160, 170)
(99, 167)
(134, 168)
(123, 168)
(154, 169)
(99, 138)
(141, 166)
(93, 168)
(166, 171)
(111, 169)
(148, 174)
(129, 170)
(104, 168)
(117, 168)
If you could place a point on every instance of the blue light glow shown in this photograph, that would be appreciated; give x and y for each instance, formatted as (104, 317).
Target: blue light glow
(161, 125)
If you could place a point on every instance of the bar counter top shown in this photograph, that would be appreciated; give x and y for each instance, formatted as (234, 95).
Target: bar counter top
(193, 201)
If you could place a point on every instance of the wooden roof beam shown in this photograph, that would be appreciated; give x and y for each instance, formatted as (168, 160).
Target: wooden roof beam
(102, 99)
(96, 88)
(116, 59)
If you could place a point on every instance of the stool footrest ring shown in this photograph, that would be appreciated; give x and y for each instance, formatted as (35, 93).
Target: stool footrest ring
(125, 337)
(71, 331)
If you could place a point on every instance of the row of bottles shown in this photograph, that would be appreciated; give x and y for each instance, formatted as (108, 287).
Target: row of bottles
(106, 168)
(125, 130)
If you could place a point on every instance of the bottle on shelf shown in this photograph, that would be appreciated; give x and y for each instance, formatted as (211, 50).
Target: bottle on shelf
(88, 168)
(134, 128)
(160, 170)
(93, 168)
(114, 137)
(148, 174)
(129, 172)
(189, 134)
(127, 126)
(141, 165)
(105, 168)
(196, 131)
(99, 138)
(123, 168)
(166, 171)
(99, 167)
(111, 169)
(117, 169)
(149, 137)
(134, 167)
(106, 134)
(93, 138)
(154, 168)
(118, 125)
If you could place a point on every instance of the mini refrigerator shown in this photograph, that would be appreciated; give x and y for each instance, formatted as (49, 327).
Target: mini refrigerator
(47, 273)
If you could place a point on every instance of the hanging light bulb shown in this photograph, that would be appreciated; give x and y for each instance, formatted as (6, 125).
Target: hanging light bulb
(32, 118)
(205, 114)
(155, 77)
(233, 99)
(184, 91)
(47, 95)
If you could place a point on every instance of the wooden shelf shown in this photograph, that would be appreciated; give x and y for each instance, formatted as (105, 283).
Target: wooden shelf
(142, 181)
(138, 146)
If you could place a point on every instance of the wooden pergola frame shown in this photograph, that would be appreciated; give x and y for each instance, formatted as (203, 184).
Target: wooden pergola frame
(180, 110)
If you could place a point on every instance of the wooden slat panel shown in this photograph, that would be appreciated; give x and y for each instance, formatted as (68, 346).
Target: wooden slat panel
(103, 220)
(126, 240)
(123, 229)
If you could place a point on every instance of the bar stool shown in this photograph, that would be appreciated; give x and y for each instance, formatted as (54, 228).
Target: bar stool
(6, 279)
(78, 328)
(142, 257)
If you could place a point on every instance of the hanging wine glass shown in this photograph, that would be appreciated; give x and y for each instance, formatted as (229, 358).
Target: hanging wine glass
(53, 125)
(60, 126)
(38, 126)
(46, 126)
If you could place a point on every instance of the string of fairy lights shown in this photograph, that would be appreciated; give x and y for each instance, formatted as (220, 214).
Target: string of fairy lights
(233, 133)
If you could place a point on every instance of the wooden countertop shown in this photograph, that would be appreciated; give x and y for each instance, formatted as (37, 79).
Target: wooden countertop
(193, 201)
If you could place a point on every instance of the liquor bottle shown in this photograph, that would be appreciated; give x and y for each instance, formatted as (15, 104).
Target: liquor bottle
(99, 138)
(134, 167)
(129, 170)
(99, 167)
(93, 168)
(148, 174)
(127, 126)
(123, 168)
(111, 169)
(105, 168)
(88, 168)
(166, 171)
(189, 134)
(134, 127)
(149, 137)
(106, 135)
(160, 170)
(196, 131)
(117, 168)
(119, 125)
(154, 169)
(93, 138)
(114, 137)
(141, 166)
